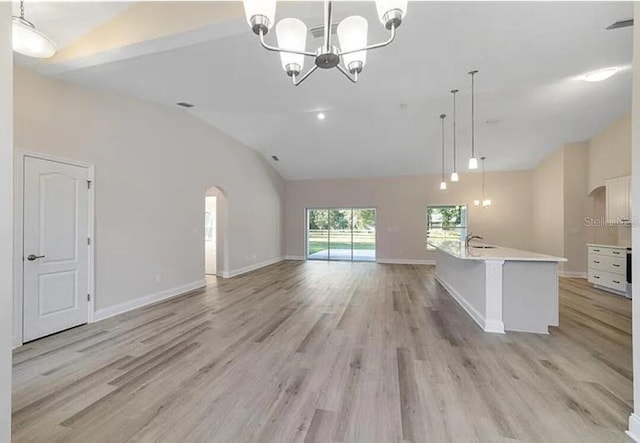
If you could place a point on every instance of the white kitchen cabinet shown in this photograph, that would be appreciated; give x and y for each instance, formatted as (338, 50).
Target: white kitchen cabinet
(608, 268)
(618, 199)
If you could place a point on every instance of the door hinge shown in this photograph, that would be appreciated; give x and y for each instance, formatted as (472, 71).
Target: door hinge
(89, 184)
(88, 297)
(89, 241)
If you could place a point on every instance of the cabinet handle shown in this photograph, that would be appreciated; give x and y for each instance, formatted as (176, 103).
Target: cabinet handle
(616, 266)
(615, 281)
(596, 261)
(596, 250)
(595, 276)
(616, 252)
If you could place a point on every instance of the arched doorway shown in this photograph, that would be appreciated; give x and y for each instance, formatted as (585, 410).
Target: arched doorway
(215, 226)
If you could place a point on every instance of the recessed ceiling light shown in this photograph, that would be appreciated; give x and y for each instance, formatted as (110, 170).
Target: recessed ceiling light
(599, 75)
(321, 116)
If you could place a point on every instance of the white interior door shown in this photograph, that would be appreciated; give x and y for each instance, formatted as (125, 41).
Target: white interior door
(56, 251)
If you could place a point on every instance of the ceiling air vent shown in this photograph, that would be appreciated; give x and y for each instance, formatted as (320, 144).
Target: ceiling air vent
(185, 104)
(318, 31)
(621, 24)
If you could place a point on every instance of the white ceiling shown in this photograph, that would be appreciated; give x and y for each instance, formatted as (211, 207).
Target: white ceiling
(528, 54)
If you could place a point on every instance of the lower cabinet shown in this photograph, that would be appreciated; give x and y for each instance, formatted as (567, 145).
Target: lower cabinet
(608, 268)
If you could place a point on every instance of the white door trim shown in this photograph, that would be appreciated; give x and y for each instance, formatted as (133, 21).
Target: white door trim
(18, 291)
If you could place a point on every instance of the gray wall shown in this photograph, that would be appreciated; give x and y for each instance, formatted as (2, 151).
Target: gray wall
(6, 220)
(402, 202)
(154, 165)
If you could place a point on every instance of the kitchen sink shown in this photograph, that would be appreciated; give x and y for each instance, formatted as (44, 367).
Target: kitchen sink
(484, 247)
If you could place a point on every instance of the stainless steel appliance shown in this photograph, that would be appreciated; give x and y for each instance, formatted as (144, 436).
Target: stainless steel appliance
(629, 272)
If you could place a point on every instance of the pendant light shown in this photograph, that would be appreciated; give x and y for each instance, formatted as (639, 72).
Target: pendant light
(473, 161)
(443, 183)
(454, 174)
(27, 40)
(485, 202)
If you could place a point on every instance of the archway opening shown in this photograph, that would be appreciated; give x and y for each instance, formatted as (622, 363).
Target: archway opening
(215, 226)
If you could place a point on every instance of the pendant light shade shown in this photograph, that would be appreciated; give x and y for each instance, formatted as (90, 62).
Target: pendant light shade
(473, 161)
(292, 35)
(260, 14)
(454, 177)
(352, 34)
(391, 11)
(27, 40)
(443, 183)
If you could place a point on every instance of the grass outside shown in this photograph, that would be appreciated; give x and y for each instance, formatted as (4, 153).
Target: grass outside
(318, 241)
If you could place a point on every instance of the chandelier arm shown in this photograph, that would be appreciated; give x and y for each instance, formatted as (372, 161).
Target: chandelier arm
(376, 46)
(346, 74)
(304, 77)
(276, 49)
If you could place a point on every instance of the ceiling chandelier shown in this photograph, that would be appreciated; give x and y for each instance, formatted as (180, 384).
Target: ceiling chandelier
(27, 40)
(291, 35)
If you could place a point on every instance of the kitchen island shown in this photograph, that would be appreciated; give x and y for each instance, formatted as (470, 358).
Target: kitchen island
(500, 288)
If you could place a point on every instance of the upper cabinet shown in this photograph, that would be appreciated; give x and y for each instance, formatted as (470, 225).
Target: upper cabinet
(618, 198)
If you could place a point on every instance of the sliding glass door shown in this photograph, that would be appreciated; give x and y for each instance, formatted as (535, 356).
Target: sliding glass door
(341, 234)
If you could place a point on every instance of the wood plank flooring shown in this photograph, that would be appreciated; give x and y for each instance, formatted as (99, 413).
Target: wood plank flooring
(329, 352)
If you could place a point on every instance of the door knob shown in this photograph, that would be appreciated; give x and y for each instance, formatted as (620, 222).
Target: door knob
(33, 257)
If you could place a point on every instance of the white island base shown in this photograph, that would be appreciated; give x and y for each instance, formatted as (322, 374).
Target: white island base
(500, 288)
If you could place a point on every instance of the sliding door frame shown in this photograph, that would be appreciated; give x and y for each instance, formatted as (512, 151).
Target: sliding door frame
(329, 208)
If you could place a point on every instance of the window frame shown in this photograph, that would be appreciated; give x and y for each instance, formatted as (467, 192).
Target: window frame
(463, 227)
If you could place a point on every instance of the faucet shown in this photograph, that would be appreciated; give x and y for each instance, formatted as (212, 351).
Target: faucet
(470, 237)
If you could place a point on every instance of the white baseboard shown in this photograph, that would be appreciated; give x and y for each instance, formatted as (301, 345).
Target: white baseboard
(473, 312)
(294, 257)
(405, 261)
(121, 308)
(573, 274)
(634, 427)
(253, 267)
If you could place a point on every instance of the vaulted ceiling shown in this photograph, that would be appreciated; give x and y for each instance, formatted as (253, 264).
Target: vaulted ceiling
(530, 99)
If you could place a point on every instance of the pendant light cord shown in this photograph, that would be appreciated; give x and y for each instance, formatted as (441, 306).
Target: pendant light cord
(454, 91)
(473, 113)
(442, 117)
(483, 159)
(22, 9)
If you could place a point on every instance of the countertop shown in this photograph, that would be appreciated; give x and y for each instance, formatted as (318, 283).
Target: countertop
(457, 249)
(610, 246)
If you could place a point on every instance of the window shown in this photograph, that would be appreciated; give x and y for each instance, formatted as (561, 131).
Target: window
(446, 222)
(341, 234)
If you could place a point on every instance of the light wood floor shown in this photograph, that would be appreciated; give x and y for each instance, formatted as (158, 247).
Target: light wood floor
(329, 352)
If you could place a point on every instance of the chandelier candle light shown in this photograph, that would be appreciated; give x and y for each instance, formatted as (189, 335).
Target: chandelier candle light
(443, 183)
(473, 161)
(454, 174)
(291, 35)
(485, 202)
(27, 40)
